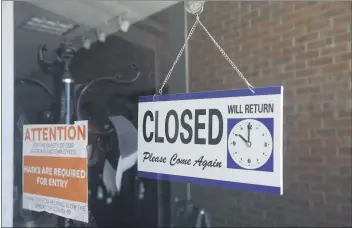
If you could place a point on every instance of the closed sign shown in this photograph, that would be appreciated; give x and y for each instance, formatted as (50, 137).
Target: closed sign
(228, 139)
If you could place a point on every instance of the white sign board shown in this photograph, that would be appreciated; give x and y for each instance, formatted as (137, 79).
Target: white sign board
(55, 172)
(228, 139)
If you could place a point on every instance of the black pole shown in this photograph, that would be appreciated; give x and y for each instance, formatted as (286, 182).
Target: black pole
(65, 55)
(62, 89)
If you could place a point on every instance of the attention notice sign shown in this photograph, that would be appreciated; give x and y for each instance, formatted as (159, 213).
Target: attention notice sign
(55, 169)
(229, 138)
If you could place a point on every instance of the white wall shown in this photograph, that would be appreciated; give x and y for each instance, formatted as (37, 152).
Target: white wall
(7, 99)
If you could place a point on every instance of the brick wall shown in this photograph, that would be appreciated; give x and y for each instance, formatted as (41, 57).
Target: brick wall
(306, 47)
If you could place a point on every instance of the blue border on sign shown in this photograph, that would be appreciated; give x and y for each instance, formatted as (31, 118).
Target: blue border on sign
(209, 95)
(218, 183)
(213, 94)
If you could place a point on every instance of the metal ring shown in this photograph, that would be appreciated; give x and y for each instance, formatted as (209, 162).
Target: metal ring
(200, 11)
(194, 7)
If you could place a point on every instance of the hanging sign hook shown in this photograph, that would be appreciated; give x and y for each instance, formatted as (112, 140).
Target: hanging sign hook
(194, 7)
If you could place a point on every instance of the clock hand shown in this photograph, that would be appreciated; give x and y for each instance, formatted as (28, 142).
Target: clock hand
(242, 138)
(249, 144)
(249, 128)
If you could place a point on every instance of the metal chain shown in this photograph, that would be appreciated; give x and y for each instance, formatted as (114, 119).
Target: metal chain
(177, 58)
(250, 87)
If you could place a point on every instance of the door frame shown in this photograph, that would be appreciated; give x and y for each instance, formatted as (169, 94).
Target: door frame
(7, 112)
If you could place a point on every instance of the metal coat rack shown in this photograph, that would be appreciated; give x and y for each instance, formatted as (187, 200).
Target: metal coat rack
(69, 106)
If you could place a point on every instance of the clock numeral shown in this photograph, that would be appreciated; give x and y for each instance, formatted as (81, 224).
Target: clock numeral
(249, 160)
(234, 143)
(265, 144)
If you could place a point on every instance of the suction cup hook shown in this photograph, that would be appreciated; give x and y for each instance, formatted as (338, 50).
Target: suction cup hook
(194, 7)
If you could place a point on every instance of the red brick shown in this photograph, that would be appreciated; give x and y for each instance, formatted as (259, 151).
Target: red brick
(335, 216)
(294, 16)
(343, 57)
(343, 182)
(315, 80)
(293, 50)
(344, 114)
(302, 4)
(307, 55)
(322, 206)
(335, 30)
(261, 50)
(308, 90)
(323, 151)
(319, 43)
(320, 62)
(279, 46)
(270, 39)
(345, 151)
(308, 107)
(324, 188)
(306, 72)
(273, 54)
(338, 161)
(270, 23)
(271, 71)
(301, 134)
(282, 60)
(322, 115)
(342, 95)
(322, 97)
(293, 33)
(341, 123)
(299, 186)
(250, 44)
(295, 66)
(334, 11)
(307, 38)
(310, 142)
(334, 198)
(333, 86)
(283, 27)
(311, 123)
(318, 25)
(311, 196)
(344, 18)
(310, 160)
(325, 132)
(316, 75)
(338, 142)
(342, 38)
(315, 169)
(282, 11)
(344, 132)
(255, 33)
(338, 67)
(303, 22)
(335, 48)
(345, 171)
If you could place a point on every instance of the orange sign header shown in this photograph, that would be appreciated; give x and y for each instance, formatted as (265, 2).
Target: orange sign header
(56, 133)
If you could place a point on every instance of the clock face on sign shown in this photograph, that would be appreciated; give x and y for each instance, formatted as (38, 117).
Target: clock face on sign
(250, 144)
